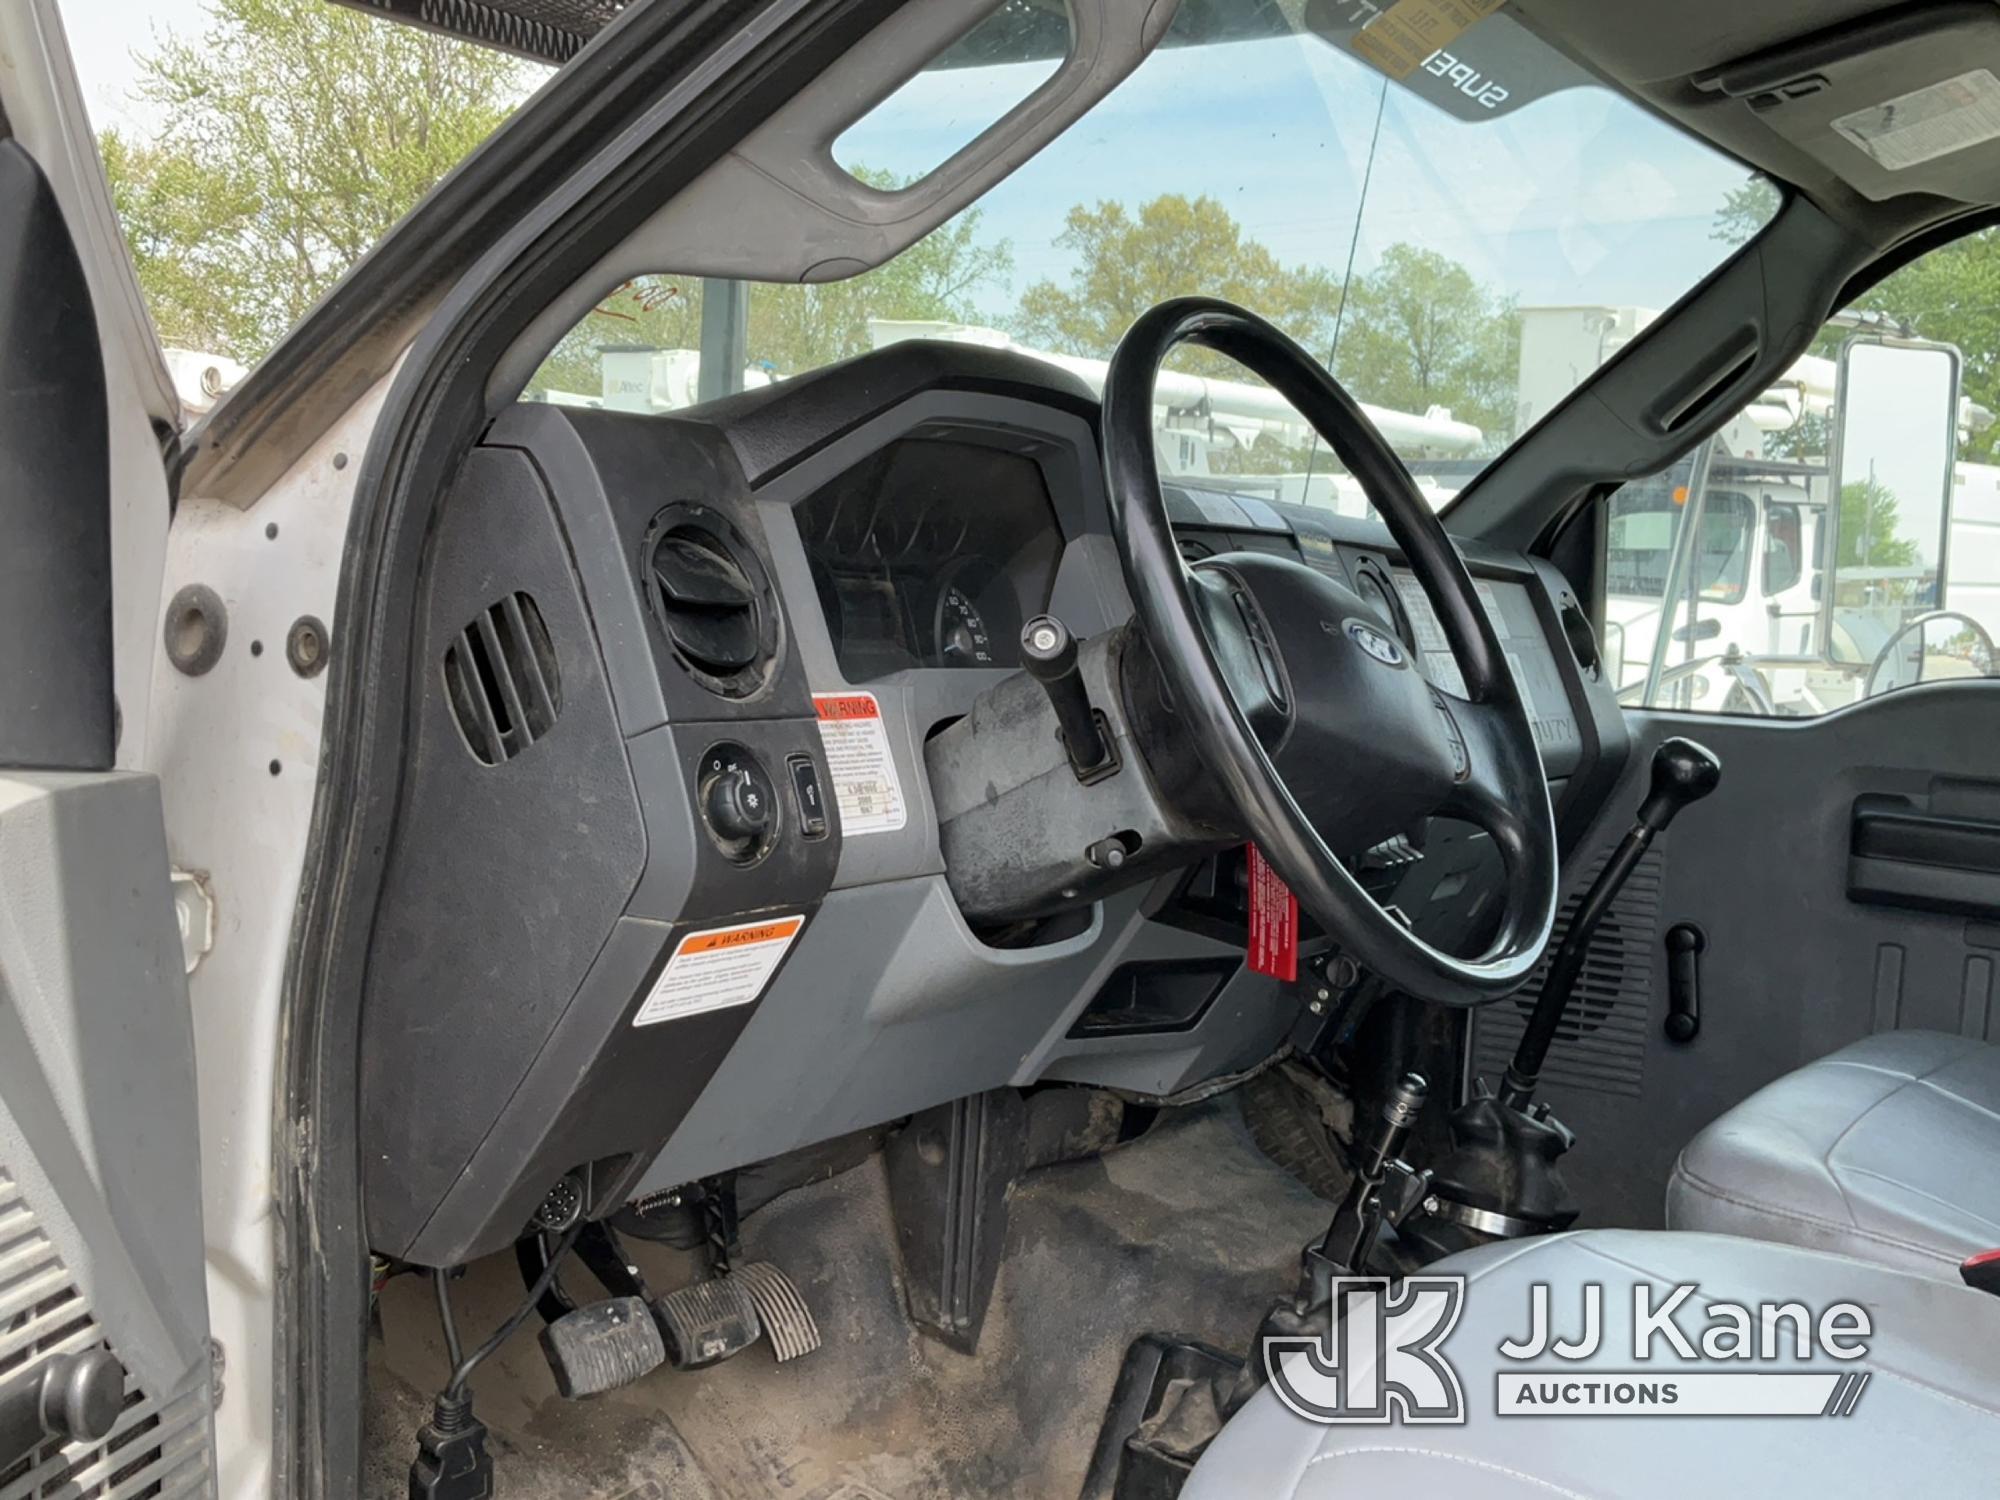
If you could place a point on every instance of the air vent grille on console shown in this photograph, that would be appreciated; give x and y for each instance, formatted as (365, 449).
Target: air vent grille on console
(1601, 1044)
(500, 676)
(159, 1444)
(710, 595)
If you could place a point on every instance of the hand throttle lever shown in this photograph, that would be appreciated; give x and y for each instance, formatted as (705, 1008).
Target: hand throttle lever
(1683, 774)
(1049, 653)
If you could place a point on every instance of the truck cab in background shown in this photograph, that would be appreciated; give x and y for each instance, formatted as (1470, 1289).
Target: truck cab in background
(1735, 583)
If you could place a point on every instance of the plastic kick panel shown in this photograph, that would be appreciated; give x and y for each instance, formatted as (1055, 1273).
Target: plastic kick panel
(1601, 1044)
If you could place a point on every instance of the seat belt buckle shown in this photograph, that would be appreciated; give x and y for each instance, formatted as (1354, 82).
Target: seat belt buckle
(1981, 1272)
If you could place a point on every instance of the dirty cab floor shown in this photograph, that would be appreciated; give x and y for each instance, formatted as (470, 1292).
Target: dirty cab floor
(1188, 1230)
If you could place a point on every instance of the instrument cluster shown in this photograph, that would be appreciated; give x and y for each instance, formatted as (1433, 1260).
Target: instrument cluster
(931, 552)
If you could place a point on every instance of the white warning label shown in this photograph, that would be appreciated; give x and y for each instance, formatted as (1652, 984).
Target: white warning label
(1917, 127)
(865, 788)
(716, 969)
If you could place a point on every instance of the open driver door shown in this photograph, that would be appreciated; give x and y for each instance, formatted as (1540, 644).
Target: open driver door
(105, 1357)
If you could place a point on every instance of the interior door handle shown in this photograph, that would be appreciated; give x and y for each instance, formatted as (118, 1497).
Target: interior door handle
(1964, 844)
(1901, 856)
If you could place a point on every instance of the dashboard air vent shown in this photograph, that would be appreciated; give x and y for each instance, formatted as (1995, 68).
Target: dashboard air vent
(500, 676)
(711, 597)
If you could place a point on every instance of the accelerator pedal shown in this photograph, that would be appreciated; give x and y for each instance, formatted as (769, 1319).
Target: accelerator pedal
(603, 1345)
(707, 1322)
(781, 1307)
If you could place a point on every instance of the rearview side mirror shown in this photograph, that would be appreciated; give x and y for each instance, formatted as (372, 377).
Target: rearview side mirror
(1895, 452)
(1702, 630)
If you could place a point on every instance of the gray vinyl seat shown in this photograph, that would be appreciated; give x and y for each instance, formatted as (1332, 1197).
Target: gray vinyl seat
(1888, 1150)
(1929, 1415)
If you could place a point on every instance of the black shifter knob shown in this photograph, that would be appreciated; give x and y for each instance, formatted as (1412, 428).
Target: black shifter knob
(1683, 773)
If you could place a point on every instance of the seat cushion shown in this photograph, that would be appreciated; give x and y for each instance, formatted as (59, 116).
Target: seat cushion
(1929, 1415)
(1889, 1150)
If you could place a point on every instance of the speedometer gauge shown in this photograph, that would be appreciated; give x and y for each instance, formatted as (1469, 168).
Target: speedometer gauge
(963, 639)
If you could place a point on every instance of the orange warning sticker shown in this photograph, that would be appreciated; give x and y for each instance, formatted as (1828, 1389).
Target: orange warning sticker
(1409, 33)
(718, 968)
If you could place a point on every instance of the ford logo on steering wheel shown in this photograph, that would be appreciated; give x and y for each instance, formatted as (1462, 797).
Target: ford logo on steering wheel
(1383, 647)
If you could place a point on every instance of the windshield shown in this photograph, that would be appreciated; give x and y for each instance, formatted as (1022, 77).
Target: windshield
(1461, 248)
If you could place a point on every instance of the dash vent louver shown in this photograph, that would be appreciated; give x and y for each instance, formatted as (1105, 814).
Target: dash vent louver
(501, 679)
(711, 597)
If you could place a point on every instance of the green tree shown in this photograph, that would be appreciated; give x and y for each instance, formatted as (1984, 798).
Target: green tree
(293, 135)
(1807, 440)
(1870, 522)
(648, 312)
(1172, 246)
(1420, 331)
(1952, 295)
(795, 328)
(1745, 211)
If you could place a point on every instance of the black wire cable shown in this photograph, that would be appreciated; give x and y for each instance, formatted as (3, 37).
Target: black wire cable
(462, 1371)
(1353, 249)
(441, 1279)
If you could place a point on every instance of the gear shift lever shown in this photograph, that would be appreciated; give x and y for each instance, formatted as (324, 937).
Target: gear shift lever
(1502, 1178)
(1683, 774)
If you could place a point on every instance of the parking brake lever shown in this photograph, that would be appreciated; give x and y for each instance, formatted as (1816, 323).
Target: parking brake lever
(1683, 774)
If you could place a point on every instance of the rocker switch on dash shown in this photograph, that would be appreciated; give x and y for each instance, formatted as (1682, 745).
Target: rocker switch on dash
(805, 783)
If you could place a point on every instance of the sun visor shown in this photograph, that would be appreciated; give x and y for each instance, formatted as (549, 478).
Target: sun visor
(1460, 55)
(1905, 103)
(550, 31)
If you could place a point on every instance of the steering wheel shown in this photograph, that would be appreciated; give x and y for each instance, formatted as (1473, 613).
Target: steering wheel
(1297, 695)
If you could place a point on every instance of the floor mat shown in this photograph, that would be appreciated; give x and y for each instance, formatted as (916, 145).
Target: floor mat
(1189, 1230)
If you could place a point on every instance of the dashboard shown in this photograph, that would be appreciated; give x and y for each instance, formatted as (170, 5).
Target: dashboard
(666, 894)
(1542, 630)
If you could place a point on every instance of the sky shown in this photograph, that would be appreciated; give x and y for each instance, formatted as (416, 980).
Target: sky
(1575, 198)
(104, 34)
(1578, 197)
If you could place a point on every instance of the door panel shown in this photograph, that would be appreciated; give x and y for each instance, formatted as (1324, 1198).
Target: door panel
(102, 1282)
(1798, 961)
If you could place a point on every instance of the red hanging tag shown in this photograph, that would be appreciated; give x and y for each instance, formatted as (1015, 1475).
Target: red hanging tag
(1274, 921)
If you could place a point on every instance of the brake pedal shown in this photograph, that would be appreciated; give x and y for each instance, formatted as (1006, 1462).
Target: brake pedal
(603, 1345)
(781, 1307)
(707, 1322)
